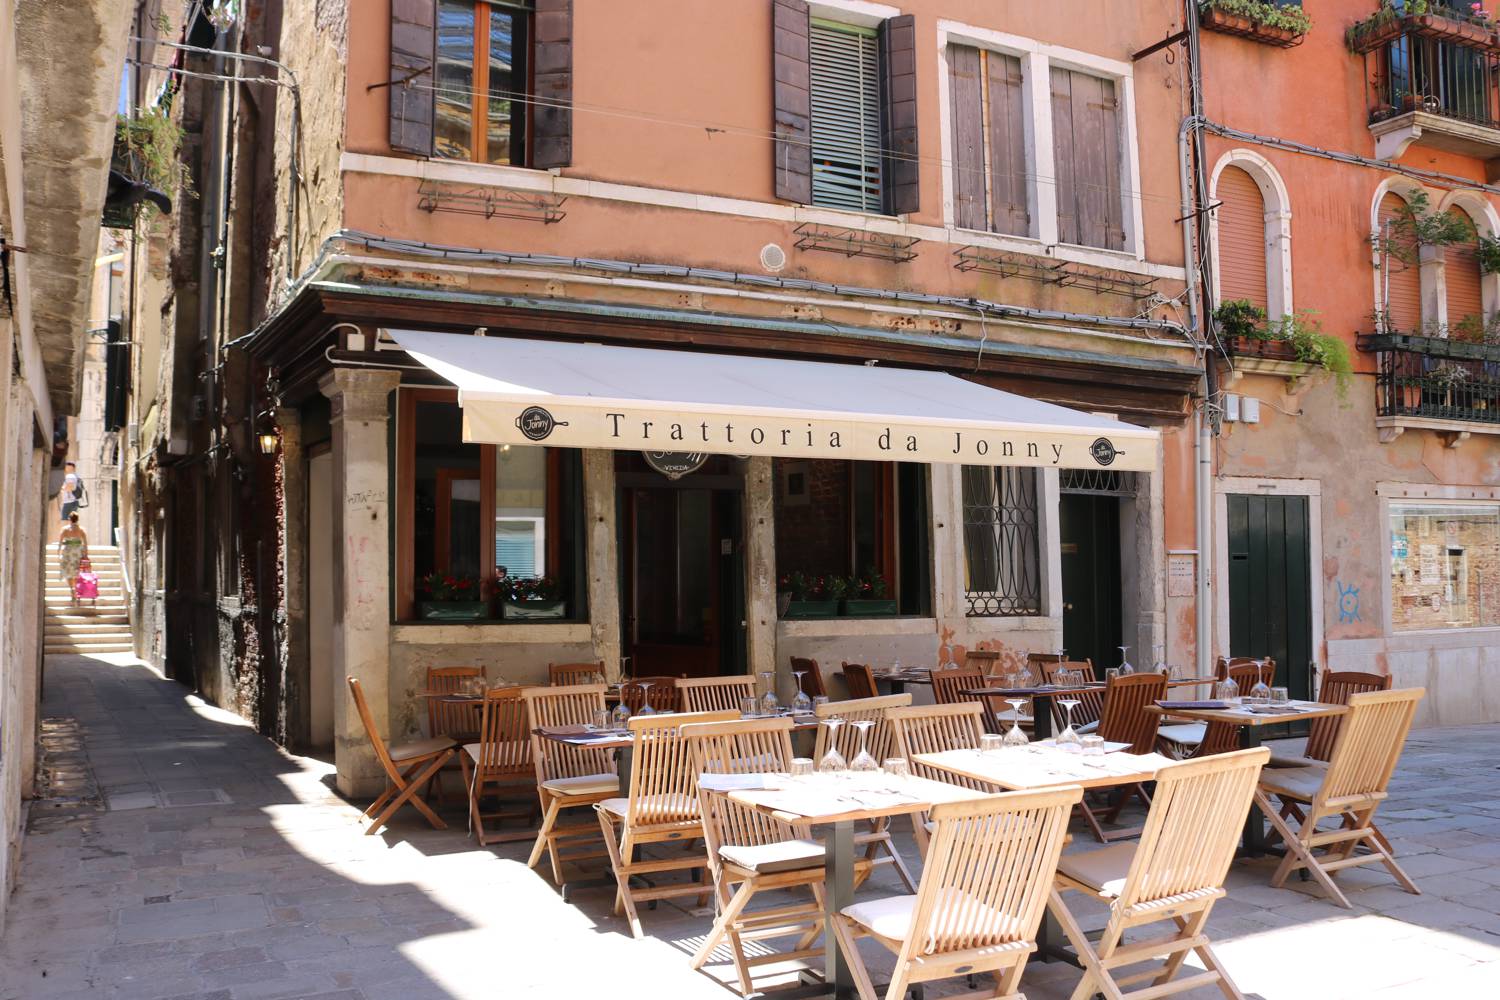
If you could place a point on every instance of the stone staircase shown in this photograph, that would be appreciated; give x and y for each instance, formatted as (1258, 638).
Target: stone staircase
(101, 626)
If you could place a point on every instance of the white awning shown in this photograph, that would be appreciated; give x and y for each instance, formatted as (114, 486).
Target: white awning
(573, 395)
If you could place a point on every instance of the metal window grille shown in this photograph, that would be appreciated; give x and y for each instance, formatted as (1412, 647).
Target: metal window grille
(1100, 482)
(845, 71)
(1002, 546)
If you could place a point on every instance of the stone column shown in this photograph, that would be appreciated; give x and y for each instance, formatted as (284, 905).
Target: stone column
(1150, 626)
(760, 566)
(359, 415)
(294, 664)
(603, 557)
(948, 603)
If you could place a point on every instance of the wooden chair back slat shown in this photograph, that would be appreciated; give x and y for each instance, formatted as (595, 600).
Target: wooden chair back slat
(554, 707)
(989, 871)
(1193, 828)
(812, 676)
(714, 694)
(947, 685)
(504, 735)
(1090, 705)
(371, 732)
(1368, 744)
(986, 661)
(747, 746)
(574, 674)
(881, 742)
(663, 693)
(458, 720)
(1337, 688)
(663, 783)
(934, 728)
(1125, 719)
(860, 680)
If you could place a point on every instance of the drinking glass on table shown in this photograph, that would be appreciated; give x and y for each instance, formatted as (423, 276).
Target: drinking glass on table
(1015, 738)
(833, 761)
(622, 713)
(1125, 668)
(645, 708)
(864, 761)
(1092, 745)
(1227, 691)
(768, 703)
(802, 767)
(602, 718)
(1111, 673)
(749, 706)
(896, 767)
(1260, 693)
(1068, 739)
(1280, 696)
(819, 701)
(1161, 666)
(990, 742)
(801, 703)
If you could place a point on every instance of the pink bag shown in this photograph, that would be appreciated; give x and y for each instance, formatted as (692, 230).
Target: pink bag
(87, 585)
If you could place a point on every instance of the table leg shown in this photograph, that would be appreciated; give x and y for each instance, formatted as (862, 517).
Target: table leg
(898, 687)
(1254, 843)
(1041, 716)
(607, 880)
(838, 892)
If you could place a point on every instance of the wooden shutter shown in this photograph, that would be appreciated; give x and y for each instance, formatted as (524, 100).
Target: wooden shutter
(552, 55)
(1242, 237)
(844, 65)
(1461, 275)
(792, 101)
(1403, 282)
(1007, 145)
(1086, 158)
(898, 64)
(413, 51)
(968, 137)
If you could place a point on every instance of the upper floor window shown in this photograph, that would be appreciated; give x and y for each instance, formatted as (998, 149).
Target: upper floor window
(482, 81)
(846, 153)
(989, 142)
(1086, 160)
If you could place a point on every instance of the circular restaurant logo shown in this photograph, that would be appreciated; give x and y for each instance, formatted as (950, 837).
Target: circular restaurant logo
(675, 464)
(536, 423)
(1104, 451)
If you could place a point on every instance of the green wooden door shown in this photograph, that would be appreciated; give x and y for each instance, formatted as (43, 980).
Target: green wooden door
(1270, 598)
(1090, 535)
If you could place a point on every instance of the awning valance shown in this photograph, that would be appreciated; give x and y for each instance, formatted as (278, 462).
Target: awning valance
(573, 395)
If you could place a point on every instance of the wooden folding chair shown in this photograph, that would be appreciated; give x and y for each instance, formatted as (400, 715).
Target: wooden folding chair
(984, 888)
(459, 721)
(1223, 663)
(753, 851)
(1349, 789)
(860, 680)
(986, 661)
(408, 767)
(1245, 675)
(662, 693)
(1174, 872)
(661, 808)
(948, 688)
(567, 776)
(1337, 688)
(933, 729)
(812, 676)
(500, 762)
(715, 694)
(1090, 705)
(1125, 720)
(881, 744)
(574, 674)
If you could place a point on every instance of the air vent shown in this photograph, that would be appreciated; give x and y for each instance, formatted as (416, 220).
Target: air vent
(772, 257)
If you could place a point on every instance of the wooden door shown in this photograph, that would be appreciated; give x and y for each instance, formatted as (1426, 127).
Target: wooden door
(673, 582)
(1090, 536)
(1270, 598)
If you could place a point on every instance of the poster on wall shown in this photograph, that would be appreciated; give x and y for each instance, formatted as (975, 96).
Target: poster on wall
(1431, 568)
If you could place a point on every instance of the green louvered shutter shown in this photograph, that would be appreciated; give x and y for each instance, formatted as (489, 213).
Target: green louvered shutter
(846, 123)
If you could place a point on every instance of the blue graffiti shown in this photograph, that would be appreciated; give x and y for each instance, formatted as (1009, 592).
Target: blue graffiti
(1348, 602)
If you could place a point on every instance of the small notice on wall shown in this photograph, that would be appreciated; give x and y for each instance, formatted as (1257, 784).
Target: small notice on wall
(1180, 576)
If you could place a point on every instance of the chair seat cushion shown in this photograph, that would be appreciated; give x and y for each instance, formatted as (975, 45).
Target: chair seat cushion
(1087, 727)
(1298, 782)
(1183, 732)
(786, 856)
(419, 748)
(516, 752)
(584, 784)
(1103, 870)
(674, 802)
(890, 917)
(1294, 760)
(1009, 715)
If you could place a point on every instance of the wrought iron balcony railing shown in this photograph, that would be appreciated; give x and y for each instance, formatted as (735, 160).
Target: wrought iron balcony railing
(1452, 78)
(1433, 378)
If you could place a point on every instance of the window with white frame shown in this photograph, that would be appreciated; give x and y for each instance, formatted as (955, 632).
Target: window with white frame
(1445, 565)
(989, 140)
(1002, 542)
(844, 65)
(1086, 152)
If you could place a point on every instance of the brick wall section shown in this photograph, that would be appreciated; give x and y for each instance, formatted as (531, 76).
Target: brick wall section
(813, 537)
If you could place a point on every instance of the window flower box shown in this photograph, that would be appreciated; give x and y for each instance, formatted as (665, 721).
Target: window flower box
(533, 610)
(453, 611)
(1385, 27)
(1225, 22)
(1254, 347)
(868, 607)
(811, 609)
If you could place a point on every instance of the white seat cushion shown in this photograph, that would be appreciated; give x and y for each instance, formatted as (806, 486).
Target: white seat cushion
(674, 802)
(1299, 782)
(1294, 760)
(584, 784)
(1087, 727)
(1183, 732)
(786, 856)
(419, 748)
(1009, 715)
(510, 752)
(1104, 869)
(891, 917)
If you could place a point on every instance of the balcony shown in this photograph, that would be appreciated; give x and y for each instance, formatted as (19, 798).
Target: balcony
(1433, 81)
(1433, 383)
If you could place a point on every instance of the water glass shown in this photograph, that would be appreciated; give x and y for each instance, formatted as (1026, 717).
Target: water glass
(1280, 696)
(749, 706)
(819, 701)
(602, 718)
(896, 767)
(990, 742)
(802, 767)
(1111, 673)
(1093, 745)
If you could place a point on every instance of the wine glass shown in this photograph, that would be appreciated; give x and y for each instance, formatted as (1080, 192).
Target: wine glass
(645, 708)
(1015, 738)
(833, 761)
(863, 761)
(1068, 739)
(622, 713)
(1227, 691)
(1161, 666)
(1260, 693)
(801, 703)
(1125, 667)
(768, 704)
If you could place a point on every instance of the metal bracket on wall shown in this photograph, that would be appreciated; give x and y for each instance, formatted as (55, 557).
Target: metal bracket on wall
(856, 243)
(1063, 273)
(492, 203)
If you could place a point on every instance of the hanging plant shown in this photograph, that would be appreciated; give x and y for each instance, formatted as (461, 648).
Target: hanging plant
(147, 147)
(1241, 318)
(1305, 334)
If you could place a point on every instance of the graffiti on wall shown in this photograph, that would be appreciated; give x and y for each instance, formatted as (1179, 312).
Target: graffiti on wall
(1348, 602)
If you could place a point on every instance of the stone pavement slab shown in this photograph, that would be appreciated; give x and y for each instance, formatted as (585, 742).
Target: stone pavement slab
(177, 855)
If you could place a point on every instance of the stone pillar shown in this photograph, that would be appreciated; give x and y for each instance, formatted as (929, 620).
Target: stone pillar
(293, 541)
(1150, 625)
(359, 415)
(603, 557)
(760, 566)
(948, 604)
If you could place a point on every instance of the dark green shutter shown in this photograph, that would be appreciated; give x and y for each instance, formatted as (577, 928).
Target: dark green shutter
(413, 52)
(552, 52)
(898, 63)
(791, 101)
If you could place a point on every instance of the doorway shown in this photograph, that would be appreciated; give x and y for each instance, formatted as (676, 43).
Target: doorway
(1089, 532)
(682, 570)
(1270, 597)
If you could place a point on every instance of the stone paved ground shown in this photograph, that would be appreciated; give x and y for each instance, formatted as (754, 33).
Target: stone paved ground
(178, 855)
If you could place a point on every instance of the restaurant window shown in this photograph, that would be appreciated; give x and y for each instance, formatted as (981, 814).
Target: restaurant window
(483, 81)
(852, 532)
(1445, 566)
(1002, 544)
(989, 141)
(496, 528)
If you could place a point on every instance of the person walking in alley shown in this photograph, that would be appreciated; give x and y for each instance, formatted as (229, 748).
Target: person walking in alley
(71, 496)
(72, 549)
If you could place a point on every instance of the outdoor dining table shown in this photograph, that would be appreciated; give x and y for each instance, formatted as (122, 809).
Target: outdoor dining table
(898, 679)
(837, 802)
(1042, 696)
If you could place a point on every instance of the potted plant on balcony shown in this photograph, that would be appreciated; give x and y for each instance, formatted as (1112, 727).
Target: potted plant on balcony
(1259, 20)
(1448, 379)
(1242, 327)
(530, 598)
(867, 596)
(806, 597)
(451, 598)
(1472, 28)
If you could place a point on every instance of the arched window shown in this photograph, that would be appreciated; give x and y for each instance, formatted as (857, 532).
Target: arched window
(1401, 284)
(1242, 238)
(1461, 275)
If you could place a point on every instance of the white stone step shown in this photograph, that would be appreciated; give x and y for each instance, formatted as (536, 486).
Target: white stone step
(85, 648)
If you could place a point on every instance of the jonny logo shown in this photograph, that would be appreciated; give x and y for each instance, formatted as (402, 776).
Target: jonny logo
(1104, 451)
(536, 423)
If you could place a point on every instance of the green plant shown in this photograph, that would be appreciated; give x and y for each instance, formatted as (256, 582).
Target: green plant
(1416, 225)
(150, 144)
(1241, 318)
(1475, 330)
(836, 588)
(801, 586)
(1488, 252)
(1272, 15)
(1312, 346)
(1448, 375)
(528, 588)
(442, 587)
(869, 587)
